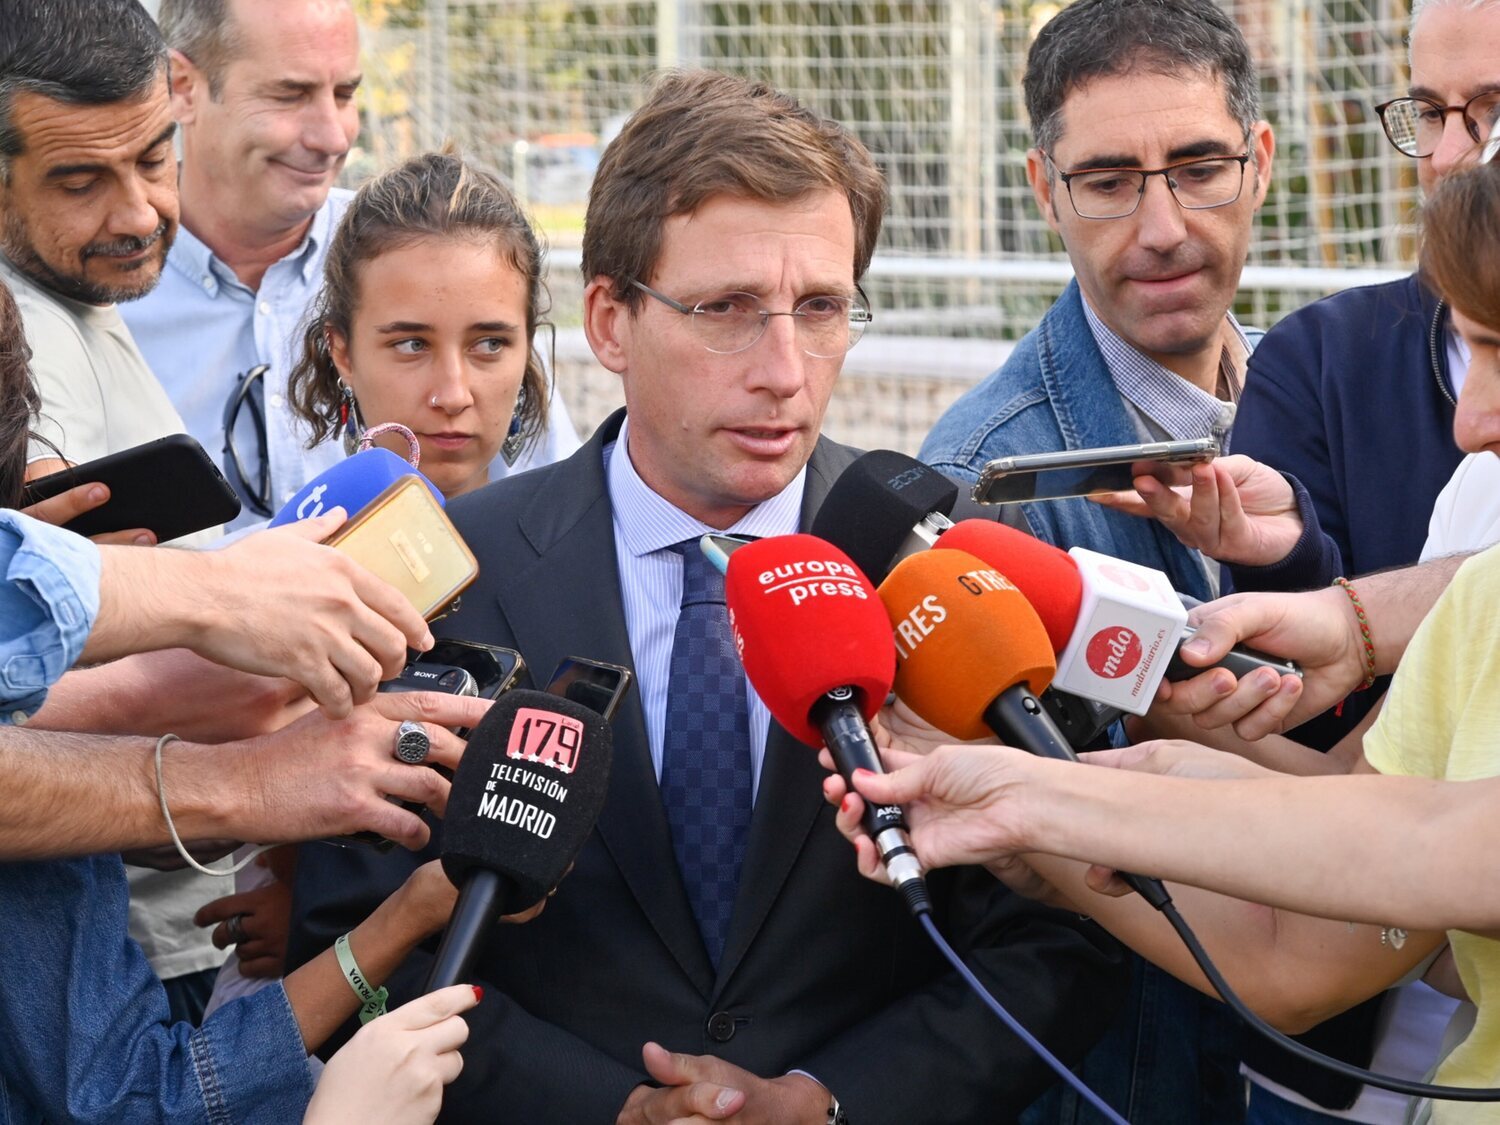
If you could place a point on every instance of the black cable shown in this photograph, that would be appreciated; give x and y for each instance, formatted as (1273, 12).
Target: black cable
(1307, 1054)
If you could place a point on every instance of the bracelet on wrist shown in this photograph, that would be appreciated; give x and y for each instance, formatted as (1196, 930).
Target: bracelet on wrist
(1364, 631)
(372, 999)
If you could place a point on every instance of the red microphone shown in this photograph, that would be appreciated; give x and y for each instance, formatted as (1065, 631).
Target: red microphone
(816, 645)
(1115, 625)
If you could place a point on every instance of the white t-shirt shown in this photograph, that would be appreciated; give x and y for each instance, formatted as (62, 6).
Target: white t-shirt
(1466, 516)
(99, 397)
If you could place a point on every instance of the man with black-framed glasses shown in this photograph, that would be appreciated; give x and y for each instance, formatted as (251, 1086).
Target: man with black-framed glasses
(1150, 161)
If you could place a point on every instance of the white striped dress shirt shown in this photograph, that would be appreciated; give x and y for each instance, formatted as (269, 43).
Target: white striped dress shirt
(646, 525)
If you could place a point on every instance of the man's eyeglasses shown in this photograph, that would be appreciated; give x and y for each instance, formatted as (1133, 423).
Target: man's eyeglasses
(248, 394)
(827, 326)
(1415, 125)
(1114, 193)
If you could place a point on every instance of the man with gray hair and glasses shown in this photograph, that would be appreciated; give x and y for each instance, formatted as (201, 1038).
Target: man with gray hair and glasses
(1150, 161)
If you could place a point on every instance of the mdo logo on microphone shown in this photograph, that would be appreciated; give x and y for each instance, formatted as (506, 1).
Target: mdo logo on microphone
(546, 739)
(806, 579)
(1113, 652)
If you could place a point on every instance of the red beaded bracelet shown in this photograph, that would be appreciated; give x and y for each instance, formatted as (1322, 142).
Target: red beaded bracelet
(1364, 631)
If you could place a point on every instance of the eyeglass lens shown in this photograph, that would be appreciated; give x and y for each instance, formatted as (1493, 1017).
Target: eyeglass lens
(827, 326)
(1415, 125)
(1116, 192)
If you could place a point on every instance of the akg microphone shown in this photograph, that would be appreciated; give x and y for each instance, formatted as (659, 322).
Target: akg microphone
(883, 507)
(350, 484)
(1116, 626)
(972, 656)
(525, 797)
(816, 645)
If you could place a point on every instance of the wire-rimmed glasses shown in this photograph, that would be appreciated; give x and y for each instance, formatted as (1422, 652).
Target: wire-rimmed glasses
(828, 325)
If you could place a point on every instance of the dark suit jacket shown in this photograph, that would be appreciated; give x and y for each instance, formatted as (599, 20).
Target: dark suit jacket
(822, 971)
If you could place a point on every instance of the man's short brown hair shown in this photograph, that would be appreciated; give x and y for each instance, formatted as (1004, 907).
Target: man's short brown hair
(702, 134)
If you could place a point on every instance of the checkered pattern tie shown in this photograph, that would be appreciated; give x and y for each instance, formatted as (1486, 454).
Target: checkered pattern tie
(705, 770)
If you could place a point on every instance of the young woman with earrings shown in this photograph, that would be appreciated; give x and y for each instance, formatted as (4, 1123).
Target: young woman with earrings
(432, 296)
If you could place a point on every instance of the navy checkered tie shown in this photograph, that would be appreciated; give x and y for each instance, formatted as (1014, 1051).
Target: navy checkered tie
(705, 769)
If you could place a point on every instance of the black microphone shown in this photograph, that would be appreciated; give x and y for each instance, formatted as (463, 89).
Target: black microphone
(884, 507)
(525, 797)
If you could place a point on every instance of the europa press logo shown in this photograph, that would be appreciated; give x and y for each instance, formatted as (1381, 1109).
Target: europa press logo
(1113, 652)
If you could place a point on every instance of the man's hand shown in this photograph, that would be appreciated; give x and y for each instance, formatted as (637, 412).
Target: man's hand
(1317, 629)
(1235, 510)
(277, 603)
(701, 1088)
(67, 506)
(324, 777)
(265, 920)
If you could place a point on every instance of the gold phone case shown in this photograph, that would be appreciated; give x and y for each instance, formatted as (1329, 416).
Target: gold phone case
(405, 538)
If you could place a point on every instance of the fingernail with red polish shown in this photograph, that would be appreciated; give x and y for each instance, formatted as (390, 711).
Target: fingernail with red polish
(478, 993)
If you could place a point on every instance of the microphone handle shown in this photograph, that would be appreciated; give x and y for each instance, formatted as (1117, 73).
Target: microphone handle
(1019, 718)
(849, 741)
(479, 903)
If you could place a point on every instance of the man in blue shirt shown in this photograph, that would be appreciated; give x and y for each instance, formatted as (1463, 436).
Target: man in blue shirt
(263, 91)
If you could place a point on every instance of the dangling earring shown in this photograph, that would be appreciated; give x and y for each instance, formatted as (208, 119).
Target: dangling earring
(515, 440)
(347, 423)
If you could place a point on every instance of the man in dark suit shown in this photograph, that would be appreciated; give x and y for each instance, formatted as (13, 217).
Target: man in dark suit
(727, 229)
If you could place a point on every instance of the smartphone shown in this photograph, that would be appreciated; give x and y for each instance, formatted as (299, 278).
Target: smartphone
(170, 486)
(404, 537)
(1083, 472)
(598, 686)
(462, 668)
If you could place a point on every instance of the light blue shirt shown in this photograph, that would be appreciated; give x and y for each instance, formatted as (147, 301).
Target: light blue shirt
(48, 605)
(1162, 397)
(646, 525)
(201, 327)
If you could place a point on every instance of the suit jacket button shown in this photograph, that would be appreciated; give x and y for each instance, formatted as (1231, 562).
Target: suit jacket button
(721, 1027)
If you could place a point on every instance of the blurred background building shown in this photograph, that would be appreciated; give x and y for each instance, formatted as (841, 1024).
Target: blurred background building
(536, 88)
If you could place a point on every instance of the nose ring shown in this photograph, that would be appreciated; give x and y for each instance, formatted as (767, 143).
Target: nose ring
(433, 402)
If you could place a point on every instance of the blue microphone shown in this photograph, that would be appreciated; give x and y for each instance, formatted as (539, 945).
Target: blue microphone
(351, 484)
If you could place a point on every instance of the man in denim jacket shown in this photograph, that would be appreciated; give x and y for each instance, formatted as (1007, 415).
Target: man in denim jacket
(1150, 162)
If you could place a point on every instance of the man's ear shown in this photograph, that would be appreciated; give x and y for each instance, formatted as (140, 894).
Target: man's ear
(1263, 145)
(608, 323)
(189, 86)
(1042, 186)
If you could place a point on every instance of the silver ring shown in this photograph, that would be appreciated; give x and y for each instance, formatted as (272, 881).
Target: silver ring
(412, 743)
(235, 926)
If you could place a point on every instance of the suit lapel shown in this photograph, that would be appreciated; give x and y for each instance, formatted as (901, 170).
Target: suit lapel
(569, 523)
(790, 794)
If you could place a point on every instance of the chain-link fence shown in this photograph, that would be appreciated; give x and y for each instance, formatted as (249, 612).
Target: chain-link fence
(536, 88)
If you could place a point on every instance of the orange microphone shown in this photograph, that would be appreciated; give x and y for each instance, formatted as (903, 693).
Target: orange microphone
(971, 656)
(971, 653)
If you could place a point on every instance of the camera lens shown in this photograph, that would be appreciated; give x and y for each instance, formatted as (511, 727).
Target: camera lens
(452, 678)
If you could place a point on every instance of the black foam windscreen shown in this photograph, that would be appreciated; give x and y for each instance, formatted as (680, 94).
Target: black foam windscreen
(526, 794)
(875, 503)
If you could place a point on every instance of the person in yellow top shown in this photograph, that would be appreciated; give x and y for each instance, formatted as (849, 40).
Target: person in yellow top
(1340, 885)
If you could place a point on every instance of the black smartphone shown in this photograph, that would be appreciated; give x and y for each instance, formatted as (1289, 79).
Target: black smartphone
(461, 668)
(598, 686)
(170, 486)
(1083, 472)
